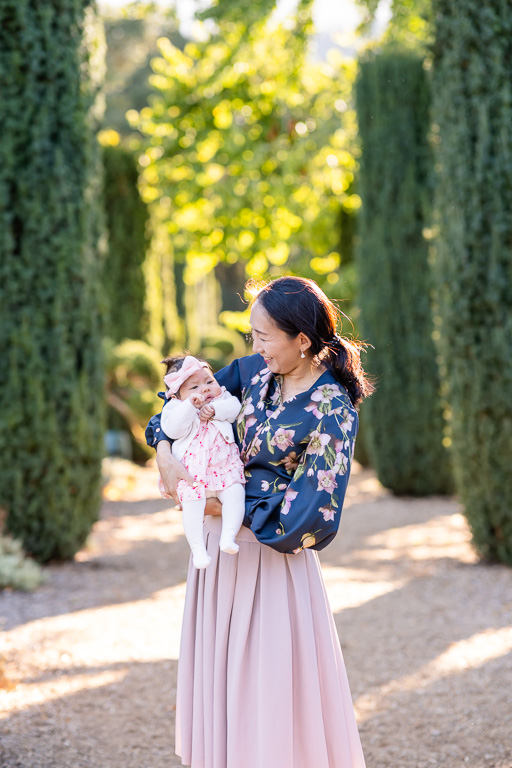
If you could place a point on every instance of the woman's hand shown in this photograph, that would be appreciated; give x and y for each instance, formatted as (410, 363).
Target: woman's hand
(213, 506)
(291, 462)
(171, 471)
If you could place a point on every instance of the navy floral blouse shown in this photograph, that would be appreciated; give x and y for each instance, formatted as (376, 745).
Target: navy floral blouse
(297, 454)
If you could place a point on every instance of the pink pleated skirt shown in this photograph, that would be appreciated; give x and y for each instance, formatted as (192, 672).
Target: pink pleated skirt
(261, 678)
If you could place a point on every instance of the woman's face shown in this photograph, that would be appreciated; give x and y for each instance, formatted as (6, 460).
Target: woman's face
(281, 353)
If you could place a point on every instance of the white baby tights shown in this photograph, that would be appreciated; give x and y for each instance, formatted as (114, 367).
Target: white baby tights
(233, 506)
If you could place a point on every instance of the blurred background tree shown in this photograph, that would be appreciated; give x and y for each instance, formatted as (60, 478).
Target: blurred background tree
(51, 383)
(472, 111)
(411, 24)
(404, 417)
(134, 377)
(237, 155)
(133, 371)
(470, 47)
(126, 218)
(131, 35)
(249, 159)
(245, 11)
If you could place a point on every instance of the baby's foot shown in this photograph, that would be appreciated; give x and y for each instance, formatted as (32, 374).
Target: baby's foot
(201, 559)
(229, 546)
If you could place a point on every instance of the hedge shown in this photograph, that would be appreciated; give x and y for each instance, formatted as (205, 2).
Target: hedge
(51, 379)
(473, 261)
(404, 421)
(126, 218)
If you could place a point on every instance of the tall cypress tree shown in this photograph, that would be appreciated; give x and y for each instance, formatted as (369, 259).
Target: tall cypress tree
(126, 219)
(473, 266)
(51, 379)
(404, 417)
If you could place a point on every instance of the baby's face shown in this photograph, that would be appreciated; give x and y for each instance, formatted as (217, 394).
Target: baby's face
(200, 383)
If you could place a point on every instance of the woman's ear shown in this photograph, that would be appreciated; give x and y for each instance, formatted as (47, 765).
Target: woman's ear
(305, 341)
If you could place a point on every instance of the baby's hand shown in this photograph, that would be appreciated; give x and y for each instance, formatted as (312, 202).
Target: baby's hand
(197, 400)
(206, 412)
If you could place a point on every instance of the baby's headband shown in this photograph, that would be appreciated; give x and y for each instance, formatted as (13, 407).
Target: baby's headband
(175, 379)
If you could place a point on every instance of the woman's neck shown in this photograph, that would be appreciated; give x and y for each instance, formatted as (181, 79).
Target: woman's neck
(301, 378)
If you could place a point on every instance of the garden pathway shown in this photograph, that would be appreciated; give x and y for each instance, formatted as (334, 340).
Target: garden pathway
(89, 659)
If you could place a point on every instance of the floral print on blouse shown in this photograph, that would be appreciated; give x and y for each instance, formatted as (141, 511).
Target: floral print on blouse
(297, 454)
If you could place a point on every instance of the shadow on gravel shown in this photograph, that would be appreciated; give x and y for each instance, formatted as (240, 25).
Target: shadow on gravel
(128, 723)
(425, 629)
(144, 567)
(430, 659)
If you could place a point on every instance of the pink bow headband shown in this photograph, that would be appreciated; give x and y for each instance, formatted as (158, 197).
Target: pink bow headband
(175, 379)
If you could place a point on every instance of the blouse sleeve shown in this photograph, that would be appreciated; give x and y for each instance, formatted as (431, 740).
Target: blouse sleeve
(233, 376)
(307, 511)
(177, 418)
(238, 374)
(154, 431)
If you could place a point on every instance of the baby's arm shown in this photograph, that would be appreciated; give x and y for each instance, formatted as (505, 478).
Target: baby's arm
(227, 407)
(177, 418)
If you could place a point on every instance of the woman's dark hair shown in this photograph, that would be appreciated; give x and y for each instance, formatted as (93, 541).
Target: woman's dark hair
(298, 305)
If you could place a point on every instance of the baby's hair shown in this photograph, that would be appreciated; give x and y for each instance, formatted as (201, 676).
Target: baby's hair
(174, 363)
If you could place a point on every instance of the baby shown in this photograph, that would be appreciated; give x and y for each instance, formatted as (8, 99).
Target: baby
(198, 418)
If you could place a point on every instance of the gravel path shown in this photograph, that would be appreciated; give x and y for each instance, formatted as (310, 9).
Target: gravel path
(88, 661)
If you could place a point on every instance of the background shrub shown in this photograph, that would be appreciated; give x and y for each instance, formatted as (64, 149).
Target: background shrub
(403, 419)
(123, 271)
(473, 260)
(51, 379)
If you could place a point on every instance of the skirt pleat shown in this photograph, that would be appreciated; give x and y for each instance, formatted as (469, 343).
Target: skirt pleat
(307, 720)
(261, 678)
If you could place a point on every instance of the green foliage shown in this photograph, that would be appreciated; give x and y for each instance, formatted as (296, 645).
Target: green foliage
(245, 11)
(221, 345)
(17, 571)
(249, 157)
(131, 35)
(51, 380)
(473, 257)
(404, 416)
(126, 218)
(361, 453)
(134, 375)
(411, 24)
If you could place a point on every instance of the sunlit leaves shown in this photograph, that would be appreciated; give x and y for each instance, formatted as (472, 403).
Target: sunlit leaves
(325, 265)
(255, 150)
(411, 24)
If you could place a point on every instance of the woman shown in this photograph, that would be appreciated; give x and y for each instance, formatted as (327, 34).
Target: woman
(261, 680)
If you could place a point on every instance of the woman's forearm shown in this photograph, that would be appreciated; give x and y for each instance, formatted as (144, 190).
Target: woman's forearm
(171, 470)
(163, 448)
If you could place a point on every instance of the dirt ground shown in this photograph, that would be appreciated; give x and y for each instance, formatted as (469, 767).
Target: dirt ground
(89, 659)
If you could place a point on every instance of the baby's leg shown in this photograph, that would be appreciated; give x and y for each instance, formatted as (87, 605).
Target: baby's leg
(193, 515)
(233, 510)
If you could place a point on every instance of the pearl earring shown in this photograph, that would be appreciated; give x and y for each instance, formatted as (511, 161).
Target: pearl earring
(302, 353)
